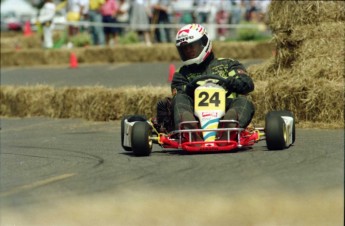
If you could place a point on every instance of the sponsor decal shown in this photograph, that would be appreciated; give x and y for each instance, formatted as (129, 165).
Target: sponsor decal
(209, 114)
(184, 39)
(206, 119)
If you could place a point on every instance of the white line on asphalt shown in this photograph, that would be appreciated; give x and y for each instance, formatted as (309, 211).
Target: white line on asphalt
(36, 184)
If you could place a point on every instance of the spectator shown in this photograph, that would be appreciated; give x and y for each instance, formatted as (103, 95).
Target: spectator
(139, 19)
(45, 18)
(122, 15)
(202, 11)
(251, 13)
(262, 10)
(95, 16)
(222, 18)
(161, 16)
(84, 13)
(73, 15)
(236, 12)
(211, 20)
(109, 9)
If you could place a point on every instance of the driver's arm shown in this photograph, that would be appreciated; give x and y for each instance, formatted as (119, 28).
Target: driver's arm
(240, 81)
(178, 84)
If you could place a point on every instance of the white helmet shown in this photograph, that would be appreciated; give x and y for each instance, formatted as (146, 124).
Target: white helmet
(193, 44)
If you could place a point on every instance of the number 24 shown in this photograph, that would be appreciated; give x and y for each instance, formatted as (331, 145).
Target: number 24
(206, 99)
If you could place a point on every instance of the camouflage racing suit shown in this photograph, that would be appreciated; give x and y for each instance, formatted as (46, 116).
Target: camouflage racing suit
(238, 107)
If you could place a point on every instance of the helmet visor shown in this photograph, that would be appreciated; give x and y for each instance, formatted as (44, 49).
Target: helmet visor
(191, 50)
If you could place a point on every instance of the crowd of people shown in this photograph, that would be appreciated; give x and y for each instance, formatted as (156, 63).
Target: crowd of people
(140, 16)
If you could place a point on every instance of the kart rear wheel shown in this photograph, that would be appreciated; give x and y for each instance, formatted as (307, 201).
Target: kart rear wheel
(275, 131)
(130, 118)
(141, 143)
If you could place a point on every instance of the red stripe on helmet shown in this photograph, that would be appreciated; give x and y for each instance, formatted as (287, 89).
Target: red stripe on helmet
(184, 30)
(208, 53)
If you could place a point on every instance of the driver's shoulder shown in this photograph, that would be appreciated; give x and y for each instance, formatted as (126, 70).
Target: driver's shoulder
(224, 60)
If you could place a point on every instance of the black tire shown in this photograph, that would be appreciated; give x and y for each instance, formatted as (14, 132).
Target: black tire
(130, 118)
(289, 114)
(275, 132)
(141, 143)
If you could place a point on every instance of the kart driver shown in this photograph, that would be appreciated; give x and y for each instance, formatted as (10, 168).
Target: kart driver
(195, 50)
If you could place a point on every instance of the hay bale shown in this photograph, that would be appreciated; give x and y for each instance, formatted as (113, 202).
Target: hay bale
(318, 56)
(57, 57)
(33, 57)
(20, 42)
(310, 41)
(26, 101)
(322, 30)
(262, 71)
(293, 22)
(243, 50)
(9, 43)
(91, 103)
(307, 72)
(143, 100)
(326, 61)
(126, 53)
(309, 99)
(97, 55)
(258, 97)
(284, 15)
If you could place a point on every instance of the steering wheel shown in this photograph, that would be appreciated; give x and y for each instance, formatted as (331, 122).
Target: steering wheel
(220, 79)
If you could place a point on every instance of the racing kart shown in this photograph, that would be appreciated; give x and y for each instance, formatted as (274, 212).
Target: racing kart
(138, 134)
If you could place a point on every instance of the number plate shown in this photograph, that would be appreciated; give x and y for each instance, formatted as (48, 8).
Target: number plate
(209, 98)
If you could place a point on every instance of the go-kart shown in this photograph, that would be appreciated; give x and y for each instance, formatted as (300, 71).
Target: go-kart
(138, 134)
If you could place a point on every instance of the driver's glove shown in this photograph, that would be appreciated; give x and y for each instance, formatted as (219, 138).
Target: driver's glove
(189, 89)
(230, 83)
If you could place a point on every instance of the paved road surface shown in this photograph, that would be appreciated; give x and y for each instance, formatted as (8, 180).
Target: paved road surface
(108, 75)
(74, 172)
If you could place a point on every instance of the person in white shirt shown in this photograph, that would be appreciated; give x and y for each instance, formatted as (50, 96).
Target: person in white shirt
(122, 15)
(140, 18)
(45, 18)
(84, 4)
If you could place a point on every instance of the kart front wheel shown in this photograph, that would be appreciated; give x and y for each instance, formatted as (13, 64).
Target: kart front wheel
(141, 143)
(129, 118)
(123, 133)
(276, 131)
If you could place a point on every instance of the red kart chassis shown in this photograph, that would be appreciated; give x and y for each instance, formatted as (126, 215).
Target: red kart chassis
(236, 138)
(138, 135)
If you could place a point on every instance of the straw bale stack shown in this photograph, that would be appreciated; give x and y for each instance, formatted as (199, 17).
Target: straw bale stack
(285, 15)
(18, 41)
(27, 101)
(92, 103)
(125, 53)
(306, 75)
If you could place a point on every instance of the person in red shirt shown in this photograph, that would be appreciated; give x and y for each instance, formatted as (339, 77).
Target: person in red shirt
(108, 10)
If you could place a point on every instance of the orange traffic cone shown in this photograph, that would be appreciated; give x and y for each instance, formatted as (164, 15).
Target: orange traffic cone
(73, 61)
(171, 72)
(27, 29)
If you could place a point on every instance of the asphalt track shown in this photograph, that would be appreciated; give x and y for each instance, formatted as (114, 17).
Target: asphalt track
(74, 172)
(108, 75)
